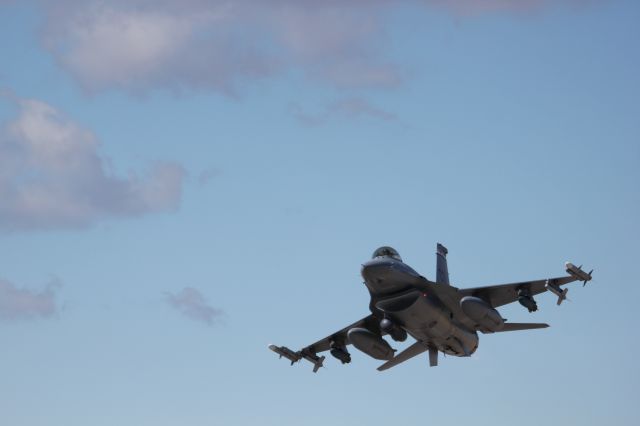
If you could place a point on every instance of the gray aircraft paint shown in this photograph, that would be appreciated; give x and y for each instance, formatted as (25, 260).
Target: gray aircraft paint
(442, 271)
(439, 316)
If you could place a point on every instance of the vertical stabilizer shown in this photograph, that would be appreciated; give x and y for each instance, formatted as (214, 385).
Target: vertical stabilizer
(442, 272)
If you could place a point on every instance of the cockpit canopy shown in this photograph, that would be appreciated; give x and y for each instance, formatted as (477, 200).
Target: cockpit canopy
(387, 251)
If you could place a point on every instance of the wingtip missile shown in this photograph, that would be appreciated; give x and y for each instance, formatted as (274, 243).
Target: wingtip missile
(294, 357)
(283, 351)
(577, 272)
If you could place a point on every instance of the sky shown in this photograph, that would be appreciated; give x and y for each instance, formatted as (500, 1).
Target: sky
(183, 183)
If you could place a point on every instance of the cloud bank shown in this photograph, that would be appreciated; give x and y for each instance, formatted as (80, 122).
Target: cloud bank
(52, 176)
(191, 303)
(23, 304)
(139, 45)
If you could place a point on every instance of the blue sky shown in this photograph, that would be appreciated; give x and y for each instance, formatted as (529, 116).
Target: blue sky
(184, 183)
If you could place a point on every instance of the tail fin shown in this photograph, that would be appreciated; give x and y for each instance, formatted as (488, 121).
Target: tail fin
(442, 272)
(517, 326)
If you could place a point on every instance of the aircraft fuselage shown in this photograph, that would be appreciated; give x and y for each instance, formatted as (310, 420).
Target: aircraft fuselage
(422, 315)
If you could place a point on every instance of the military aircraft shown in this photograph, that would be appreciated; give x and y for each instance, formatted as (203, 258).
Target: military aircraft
(439, 316)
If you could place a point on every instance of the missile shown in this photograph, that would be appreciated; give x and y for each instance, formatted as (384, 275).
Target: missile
(294, 357)
(577, 272)
(555, 289)
(314, 359)
(283, 351)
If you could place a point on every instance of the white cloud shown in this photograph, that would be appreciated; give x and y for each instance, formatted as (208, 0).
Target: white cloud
(119, 47)
(21, 304)
(191, 303)
(215, 45)
(139, 45)
(52, 176)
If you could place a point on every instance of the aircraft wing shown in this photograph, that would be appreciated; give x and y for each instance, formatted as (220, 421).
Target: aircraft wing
(503, 294)
(339, 337)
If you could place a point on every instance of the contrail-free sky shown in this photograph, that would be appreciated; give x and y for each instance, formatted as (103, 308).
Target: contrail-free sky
(184, 182)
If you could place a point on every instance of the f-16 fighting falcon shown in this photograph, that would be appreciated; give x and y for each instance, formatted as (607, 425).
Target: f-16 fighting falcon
(439, 316)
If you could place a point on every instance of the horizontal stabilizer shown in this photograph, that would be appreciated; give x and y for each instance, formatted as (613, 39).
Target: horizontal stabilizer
(517, 326)
(416, 349)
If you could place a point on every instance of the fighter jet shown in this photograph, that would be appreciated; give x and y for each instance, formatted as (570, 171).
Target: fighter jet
(439, 316)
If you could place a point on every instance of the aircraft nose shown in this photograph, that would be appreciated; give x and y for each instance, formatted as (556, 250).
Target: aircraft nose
(378, 270)
(375, 270)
